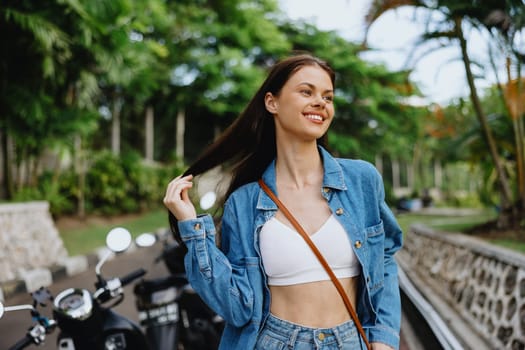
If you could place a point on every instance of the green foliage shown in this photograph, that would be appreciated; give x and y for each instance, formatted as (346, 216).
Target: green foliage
(147, 182)
(115, 185)
(107, 186)
(126, 184)
(450, 22)
(466, 143)
(222, 49)
(81, 64)
(50, 189)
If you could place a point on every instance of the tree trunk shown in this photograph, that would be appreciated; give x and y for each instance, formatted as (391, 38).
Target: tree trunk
(438, 174)
(515, 105)
(515, 110)
(506, 195)
(379, 163)
(520, 131)
(80, 170)
(115, 126)
(179, 137)
(396, 183)
(149, 137)
(417, 159)
(410, 174)
(7, 182)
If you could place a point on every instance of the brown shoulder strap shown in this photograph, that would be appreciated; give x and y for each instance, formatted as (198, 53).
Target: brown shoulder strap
(320, 257)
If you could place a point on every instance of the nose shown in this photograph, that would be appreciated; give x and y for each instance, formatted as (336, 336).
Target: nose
(319, 101)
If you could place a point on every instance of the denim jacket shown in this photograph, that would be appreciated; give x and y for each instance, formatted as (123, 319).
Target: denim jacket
(232, 280)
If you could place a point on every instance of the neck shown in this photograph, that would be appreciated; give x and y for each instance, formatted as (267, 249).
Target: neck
(298, 166)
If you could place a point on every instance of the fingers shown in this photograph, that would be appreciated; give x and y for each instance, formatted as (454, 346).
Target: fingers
(177, 198)
(177, 186)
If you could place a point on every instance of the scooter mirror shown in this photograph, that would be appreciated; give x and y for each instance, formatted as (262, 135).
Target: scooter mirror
(145, 240)
(208, 200)
(1, 309)
(118, 239)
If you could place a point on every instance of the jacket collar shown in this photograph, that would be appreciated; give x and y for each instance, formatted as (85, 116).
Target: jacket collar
(333, 178)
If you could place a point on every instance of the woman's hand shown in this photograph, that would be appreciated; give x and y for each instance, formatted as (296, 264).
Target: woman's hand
(177, 199)
(380, 346)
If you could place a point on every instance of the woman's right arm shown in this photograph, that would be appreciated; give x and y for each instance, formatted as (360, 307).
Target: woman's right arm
(224, 287)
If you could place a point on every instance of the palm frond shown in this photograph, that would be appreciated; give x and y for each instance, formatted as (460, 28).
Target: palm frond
(48, 35)
(378, 8)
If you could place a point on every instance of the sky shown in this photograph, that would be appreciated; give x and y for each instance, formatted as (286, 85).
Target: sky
(440, 76)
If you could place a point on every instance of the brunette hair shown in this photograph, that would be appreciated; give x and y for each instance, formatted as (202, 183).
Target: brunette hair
(248, 145)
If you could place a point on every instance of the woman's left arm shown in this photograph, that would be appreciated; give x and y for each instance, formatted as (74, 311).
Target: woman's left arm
(388, 308)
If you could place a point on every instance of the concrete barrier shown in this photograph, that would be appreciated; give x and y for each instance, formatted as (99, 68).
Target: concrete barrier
(476, 287)
(31, 250)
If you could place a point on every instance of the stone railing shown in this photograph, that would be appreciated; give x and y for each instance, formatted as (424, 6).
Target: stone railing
(29, 243)
(478, 288)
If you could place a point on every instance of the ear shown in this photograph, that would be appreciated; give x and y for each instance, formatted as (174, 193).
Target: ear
(271, 103)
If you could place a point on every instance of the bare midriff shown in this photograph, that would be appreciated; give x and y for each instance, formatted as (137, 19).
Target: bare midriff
(316, 304)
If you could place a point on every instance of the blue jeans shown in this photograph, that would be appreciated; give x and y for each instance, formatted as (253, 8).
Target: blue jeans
(279, 334)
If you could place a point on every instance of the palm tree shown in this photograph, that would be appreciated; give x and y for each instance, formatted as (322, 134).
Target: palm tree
(507, 26)
(454, 15)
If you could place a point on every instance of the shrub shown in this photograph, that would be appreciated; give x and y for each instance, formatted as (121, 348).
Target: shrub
(107, 186)
(113, 185)
(51, 189)
(126, 184)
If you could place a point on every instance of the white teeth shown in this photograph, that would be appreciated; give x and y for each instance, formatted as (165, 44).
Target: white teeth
(314, 117)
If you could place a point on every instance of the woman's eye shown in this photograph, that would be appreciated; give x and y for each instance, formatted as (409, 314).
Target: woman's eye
(328, 98)
(306, 92)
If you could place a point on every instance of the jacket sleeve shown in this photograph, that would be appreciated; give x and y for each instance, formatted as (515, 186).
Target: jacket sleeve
(225, 288)
(387, 327)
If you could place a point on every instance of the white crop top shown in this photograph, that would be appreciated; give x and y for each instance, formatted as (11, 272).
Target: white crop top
(287, 258)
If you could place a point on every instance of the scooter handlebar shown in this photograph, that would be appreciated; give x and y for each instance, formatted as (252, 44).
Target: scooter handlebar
(22, 343)
(130, 277)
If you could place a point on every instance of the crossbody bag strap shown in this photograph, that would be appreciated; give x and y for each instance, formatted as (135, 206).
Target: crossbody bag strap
(320, 257)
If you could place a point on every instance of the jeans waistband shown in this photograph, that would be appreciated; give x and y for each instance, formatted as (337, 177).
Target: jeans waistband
(337, 334)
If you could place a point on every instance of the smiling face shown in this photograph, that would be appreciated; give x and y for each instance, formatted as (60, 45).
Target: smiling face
(303, 109)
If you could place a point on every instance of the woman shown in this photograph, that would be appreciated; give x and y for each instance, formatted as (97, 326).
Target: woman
(263, 280)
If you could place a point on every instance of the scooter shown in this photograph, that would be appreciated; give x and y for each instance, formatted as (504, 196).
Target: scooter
(170, 311)
(85, 320)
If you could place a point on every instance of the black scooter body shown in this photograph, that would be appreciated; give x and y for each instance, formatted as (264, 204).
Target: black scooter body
(86, 325)
(171, 312)
(115, 333)
(159, 314)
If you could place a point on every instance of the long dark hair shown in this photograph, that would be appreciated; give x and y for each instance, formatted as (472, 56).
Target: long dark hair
(248, 145)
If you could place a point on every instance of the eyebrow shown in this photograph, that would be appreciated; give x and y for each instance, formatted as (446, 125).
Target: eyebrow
(313, 86)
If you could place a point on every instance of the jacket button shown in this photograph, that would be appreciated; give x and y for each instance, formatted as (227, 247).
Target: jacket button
(197, 226)
(357, 244)
(326, 190)
(339, 211)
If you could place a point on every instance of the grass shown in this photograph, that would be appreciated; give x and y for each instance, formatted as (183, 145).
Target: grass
(462, 224)
(513, 244)
(85, 236)
(444, 222)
